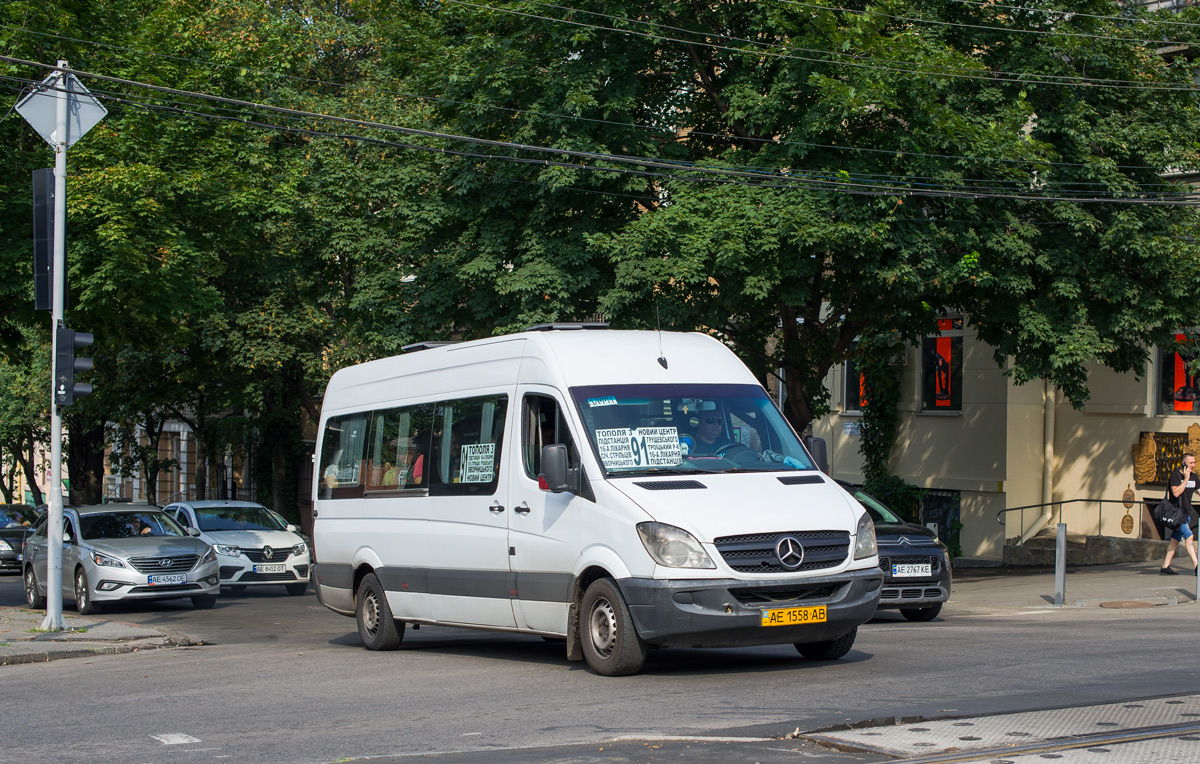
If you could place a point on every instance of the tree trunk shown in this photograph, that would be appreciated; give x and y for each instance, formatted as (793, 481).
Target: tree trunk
(8, 481)
(201, 467)
(278, 471)
(26, 460)
(85, 461)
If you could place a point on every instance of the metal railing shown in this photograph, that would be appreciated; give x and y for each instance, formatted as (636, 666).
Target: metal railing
(1099, 525)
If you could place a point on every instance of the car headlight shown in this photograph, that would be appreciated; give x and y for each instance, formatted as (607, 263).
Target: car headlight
(300, 549)
(673, 547)
(209, 556)
(227, 550)
(866, 545)
(105, 560)
(5, 546)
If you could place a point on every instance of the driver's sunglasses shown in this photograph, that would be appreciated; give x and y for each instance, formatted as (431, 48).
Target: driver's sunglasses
(711, 419)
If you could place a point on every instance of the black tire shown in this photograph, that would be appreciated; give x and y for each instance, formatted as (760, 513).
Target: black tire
(34, 600)
(611, 645)
(297, 589)
(376, 627)
(204, 601)
(830, 649)
(921, 613)
(83, 595)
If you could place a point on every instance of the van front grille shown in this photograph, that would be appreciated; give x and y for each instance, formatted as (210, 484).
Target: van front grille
(755, 553)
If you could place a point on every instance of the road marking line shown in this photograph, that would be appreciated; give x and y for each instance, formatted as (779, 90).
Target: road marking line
(175, 738)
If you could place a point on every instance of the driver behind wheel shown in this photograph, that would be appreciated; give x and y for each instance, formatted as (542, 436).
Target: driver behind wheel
(708, 424)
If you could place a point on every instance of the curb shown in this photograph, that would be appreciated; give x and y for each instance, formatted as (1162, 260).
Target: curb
(78, 651)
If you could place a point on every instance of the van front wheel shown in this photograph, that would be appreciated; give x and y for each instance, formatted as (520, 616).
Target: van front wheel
(830, 649)
(376, 628)
(611, 645)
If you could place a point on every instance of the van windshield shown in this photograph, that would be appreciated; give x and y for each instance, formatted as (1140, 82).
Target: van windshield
(676, 429)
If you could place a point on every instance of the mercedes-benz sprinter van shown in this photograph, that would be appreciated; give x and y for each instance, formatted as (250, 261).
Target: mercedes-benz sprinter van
(618, 489)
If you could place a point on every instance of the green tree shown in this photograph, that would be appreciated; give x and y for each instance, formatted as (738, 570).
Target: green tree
(893, 169)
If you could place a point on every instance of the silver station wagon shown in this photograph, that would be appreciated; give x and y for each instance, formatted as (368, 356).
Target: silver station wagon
(120, 552)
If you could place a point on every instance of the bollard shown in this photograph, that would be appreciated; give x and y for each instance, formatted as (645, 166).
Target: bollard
(1060, 565)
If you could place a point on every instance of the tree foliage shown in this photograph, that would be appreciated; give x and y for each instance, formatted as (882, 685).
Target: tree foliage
(799, 175)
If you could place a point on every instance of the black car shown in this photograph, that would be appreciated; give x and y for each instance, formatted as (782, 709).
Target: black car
(14, 520)
(916, 566)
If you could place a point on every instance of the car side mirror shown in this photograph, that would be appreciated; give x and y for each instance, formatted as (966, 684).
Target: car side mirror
(820, 453)
(554, 469)
(193, 531)
(292, 528)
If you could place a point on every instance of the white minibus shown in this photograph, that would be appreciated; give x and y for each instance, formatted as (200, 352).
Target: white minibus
(620, 490)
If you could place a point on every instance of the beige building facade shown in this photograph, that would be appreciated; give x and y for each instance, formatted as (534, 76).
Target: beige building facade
(981, 444)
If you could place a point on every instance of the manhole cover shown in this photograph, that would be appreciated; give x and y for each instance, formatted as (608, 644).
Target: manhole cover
(1126, 604)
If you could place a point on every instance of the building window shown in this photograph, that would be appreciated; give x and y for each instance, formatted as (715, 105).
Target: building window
(1177, 390)
(941, 367)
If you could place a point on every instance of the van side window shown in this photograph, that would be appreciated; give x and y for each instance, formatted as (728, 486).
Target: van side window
(342, 453)
(399, 449)
(467, 436)
(542, 425)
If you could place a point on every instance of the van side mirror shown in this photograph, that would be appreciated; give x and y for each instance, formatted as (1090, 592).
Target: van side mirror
(554, 469)
(820, 453)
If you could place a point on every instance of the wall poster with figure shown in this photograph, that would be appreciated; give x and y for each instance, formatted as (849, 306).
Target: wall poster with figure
(941, 367)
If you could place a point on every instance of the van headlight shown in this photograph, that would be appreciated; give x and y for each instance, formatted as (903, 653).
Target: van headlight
(673, 547)
(866, 545)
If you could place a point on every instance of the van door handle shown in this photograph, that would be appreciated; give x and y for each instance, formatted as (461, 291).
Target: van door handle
(523, 509)
(496, 507)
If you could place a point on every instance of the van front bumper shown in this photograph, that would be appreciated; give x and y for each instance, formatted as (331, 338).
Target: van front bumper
(728, 612)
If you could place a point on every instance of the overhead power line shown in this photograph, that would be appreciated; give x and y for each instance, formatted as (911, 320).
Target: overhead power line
(664, 170)
(847, 59)
(662, 132)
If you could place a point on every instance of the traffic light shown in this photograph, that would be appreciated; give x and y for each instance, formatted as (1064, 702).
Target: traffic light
(66, 389)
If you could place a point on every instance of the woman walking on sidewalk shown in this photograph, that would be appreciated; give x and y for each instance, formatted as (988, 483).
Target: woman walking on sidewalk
(1182, 487)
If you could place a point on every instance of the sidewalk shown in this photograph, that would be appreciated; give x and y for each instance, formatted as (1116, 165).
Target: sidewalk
(22, 641)
(985, 590)
(976, 591)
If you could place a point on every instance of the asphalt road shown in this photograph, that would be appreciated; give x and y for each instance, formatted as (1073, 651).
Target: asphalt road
(281, 680)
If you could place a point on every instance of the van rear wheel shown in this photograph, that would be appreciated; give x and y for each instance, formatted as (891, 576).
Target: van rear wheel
(611, 645)
(376, 628)
(830, 649)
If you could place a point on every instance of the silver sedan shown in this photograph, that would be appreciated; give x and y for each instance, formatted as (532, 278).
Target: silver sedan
(117, 552)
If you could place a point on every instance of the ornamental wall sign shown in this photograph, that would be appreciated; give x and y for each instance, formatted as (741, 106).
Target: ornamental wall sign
(1157, 453)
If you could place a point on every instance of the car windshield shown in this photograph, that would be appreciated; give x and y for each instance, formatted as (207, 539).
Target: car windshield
(128, 524)
(17, 516)
(876, 509)
(677, 429)
(237, 519)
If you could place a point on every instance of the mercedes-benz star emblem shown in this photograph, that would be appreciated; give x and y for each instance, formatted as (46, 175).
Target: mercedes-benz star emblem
(790, 552)
(268, 552)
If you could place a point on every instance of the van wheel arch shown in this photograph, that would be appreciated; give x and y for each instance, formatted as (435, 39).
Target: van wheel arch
(578, 587)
